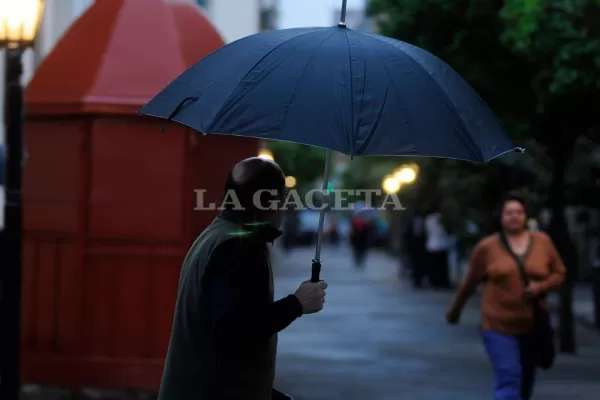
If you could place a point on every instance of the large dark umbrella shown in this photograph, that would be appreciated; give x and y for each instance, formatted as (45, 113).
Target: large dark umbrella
(336, 88)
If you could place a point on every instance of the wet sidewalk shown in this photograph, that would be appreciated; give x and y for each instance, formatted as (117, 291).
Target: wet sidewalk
(378, 339)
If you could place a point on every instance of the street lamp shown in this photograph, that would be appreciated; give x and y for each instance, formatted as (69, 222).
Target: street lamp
(19, 24)
(406, 174)
(290, 182)
(266, 154)
(390, 184)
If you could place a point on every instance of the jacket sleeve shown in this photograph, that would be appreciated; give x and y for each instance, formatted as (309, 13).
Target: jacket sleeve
(475, 275)
(242, 315)
(556, 267)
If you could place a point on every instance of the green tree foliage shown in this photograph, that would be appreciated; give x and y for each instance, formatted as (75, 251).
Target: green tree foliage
(561, 41)
(560, 37)
(467, 35)
(535, 62)
(305, 163)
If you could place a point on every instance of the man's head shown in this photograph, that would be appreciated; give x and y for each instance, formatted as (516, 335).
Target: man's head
(259, 185)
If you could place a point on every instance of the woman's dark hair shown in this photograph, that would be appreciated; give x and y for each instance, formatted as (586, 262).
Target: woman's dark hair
(507, 198)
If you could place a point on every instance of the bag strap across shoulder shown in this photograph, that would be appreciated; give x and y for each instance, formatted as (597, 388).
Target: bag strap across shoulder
(520, 260)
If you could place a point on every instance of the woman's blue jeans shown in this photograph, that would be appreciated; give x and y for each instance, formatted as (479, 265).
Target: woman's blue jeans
(513, 363)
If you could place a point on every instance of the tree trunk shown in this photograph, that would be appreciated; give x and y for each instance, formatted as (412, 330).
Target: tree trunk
(565, 246)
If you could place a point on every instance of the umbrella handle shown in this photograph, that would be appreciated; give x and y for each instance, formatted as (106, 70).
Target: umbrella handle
(316, 271)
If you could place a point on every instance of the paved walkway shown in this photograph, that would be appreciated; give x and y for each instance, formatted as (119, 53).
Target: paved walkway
(378, 339)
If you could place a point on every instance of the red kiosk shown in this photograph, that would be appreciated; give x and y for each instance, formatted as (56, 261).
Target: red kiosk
(109, 199)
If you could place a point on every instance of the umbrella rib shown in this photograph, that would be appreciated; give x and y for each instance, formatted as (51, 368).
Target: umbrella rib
(451, 107)
(362, 148)
(351, 73)
(289, 106)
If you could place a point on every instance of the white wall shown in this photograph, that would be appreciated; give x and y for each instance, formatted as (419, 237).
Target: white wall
(235, 19)
(308, 13)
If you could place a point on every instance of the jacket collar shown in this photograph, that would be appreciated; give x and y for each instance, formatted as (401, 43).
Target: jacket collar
(260, 230)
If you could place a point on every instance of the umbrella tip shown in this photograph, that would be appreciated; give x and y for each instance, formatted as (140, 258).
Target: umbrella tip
(520, 150)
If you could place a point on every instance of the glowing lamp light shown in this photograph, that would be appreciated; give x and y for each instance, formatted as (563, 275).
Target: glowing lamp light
(19, 22)
(406, 175)
(290, 182)
(391, 184)
(266, 154)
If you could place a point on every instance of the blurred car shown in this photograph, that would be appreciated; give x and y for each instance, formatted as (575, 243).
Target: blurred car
(308, 227)
(343, 227)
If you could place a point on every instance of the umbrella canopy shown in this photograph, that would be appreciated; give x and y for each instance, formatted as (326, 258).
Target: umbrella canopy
(354, 92)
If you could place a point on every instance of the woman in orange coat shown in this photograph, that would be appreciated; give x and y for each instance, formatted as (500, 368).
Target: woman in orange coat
(506, 313)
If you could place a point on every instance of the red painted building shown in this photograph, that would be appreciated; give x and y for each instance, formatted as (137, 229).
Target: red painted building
(109, 199)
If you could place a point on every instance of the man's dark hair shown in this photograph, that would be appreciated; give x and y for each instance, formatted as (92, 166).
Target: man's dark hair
(252, 175)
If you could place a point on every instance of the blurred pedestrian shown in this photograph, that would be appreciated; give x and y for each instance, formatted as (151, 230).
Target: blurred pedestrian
(594, 260)
(436, 244)
(415, 247)
(544, 220)
(360, 236)
(511, 329)
(224, 338)
(333, 229)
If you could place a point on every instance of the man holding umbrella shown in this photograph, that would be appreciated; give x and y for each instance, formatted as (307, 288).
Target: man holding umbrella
(224, 337)
(342, 90)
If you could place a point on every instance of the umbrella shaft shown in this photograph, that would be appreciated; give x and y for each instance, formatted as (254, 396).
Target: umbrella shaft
(324, 205)
(343, 16)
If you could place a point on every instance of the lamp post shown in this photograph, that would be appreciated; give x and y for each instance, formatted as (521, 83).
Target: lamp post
(19, 24)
